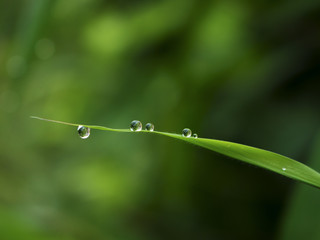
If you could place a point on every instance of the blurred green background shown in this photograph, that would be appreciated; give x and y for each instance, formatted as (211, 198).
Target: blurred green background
(242, 71)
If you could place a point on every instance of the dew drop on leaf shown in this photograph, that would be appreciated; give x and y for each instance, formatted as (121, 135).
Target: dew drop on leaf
(149, 127)
(84, 132)
(186, 132)
(284, 169)
(135, 126)
(195, 135)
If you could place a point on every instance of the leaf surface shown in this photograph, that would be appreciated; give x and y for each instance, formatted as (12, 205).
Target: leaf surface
(255, 156)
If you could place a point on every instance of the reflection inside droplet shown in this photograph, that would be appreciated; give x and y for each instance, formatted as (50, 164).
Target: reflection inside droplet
(135, 126)
(186, 132)
(149, 127)
(84, 132)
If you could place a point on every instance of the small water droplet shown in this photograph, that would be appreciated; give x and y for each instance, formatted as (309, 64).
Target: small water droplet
(84, 132)
(284, 169)
(195, 135)
(186, 132)
(135, 126)
(149, 127)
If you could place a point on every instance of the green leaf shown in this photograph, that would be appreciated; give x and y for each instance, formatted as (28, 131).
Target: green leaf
(255, 156)
(303, 204)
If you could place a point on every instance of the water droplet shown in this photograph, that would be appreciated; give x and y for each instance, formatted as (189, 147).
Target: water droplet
(186, 132)
(149, 127)
(284, 169)
(195, 135)
(135, 126)
(84, 132)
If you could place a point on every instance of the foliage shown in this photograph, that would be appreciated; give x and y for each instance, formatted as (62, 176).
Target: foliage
(262, 158)
(240, 71)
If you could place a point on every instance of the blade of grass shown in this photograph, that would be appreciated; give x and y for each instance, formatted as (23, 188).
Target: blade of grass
(303, 205)
(255, 156)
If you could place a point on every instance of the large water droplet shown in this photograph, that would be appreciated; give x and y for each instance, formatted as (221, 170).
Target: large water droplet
(84, 132)
(186, 132)
(149, 127)
(195, 135)
(135, 126)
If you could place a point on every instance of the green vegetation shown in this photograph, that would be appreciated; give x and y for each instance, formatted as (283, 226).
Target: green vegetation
(239, 71)
(262, 158)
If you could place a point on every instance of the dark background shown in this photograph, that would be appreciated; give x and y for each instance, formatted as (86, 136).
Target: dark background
(241, 71)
